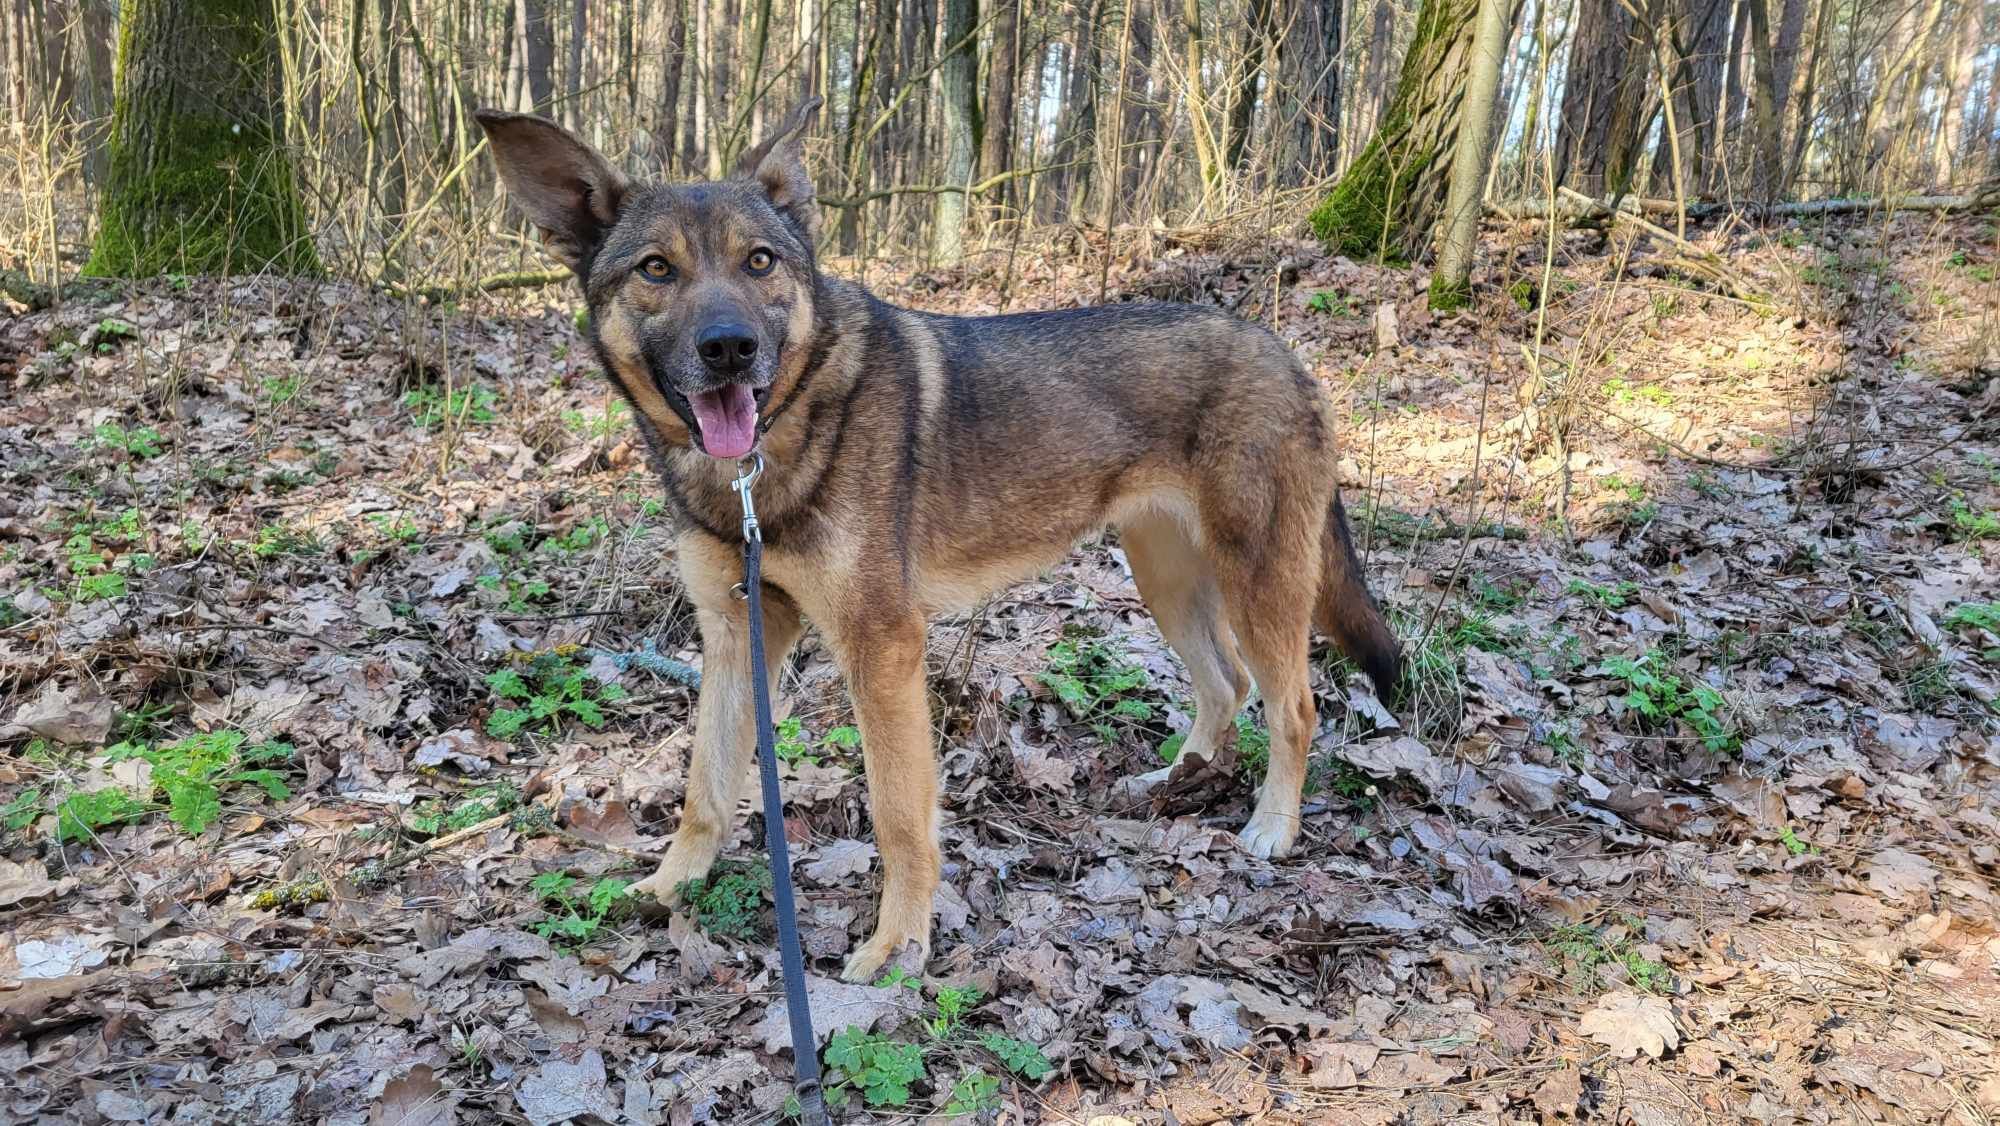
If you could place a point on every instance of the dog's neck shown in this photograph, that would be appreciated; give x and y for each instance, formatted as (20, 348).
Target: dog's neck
(799, 430)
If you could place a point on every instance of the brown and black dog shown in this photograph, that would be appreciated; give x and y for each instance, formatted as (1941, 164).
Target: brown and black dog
(917, 463)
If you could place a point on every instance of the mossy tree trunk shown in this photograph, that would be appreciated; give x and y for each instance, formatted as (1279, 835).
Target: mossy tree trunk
(1387, 203)
(199, 181)
(1451, 281)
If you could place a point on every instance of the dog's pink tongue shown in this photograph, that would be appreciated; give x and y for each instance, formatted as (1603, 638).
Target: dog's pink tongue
(728, 418)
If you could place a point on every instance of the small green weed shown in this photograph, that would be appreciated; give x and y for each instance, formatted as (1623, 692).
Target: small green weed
(974, 1093)
(521, 594)
(22, 810)
(548, 688)
(1792, 843)
(275, 541)
(575, 913)
(106, 335)
(730, 901)
(1253, 748)
(1329, 301)
(881, 1069)
(433, 816)
(953, 1002)
(1096, 683)
(142, 443)
(431, 408)
(80, 815)
(189, 777)
(599, 424)
(1972, 524)
(1019, 1056)
(1659, 698)
(1616, 596)
(1587, 950)
(1623, 391)
(280, 390)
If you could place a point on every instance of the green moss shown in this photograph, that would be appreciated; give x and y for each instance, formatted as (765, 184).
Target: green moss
(1445, 296)
(1354, 219)
(199, 181)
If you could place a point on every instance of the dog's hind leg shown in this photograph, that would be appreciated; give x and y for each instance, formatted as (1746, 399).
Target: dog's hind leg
(1174, 578)
(725, 728)
(1267, 585)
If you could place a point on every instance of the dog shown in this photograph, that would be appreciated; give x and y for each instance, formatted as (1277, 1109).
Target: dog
(917, 463)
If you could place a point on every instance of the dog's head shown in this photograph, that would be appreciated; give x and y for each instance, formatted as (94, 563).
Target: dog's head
(700, 295)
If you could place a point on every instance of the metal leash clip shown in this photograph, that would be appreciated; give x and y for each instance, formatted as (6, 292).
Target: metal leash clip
(748, 470)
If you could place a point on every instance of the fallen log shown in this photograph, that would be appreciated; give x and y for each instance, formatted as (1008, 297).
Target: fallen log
(1569, 208)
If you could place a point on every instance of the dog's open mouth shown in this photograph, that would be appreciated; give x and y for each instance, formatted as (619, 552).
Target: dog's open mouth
(727, 419)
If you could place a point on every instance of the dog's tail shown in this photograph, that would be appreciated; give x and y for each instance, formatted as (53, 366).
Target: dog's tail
(1347, 613)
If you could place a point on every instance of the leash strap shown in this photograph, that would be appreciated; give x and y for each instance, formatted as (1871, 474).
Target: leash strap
(805, 1045)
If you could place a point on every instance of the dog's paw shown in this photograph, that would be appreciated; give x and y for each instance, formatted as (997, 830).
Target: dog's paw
(1269, 835)
(678, 868)
(864, 966)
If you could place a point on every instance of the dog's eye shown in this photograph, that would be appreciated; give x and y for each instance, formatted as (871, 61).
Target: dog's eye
(761, 261)
(657, 269)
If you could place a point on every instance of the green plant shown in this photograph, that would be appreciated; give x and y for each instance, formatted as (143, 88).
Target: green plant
(1983, 616)
(1096, 684)
(394, 526)
(282, 389)
(1019, 1056)
(431, 408)
(1792, 843)
(1970, 524)
(1617, 596)
(1329, 301)
(1928, 684)
(584, 535)
(192, 772)
(482, 803)
(1659, 697)
(548, 687)
(22, 811)
(794, 745)
(953, 1002)
(573, 914)
(80, 815)
(1588, 949)
(1623, 391)
(142, 443)
(598, 424)
(521, 594)
(110, 332)
(275, 540)
(974, 1092)
(881, 1069)
(729, 901)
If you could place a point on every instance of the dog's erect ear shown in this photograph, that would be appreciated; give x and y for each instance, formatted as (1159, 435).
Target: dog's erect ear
(778, 162)
(563, 185)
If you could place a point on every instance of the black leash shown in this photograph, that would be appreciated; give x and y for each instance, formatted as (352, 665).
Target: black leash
(805, 1046)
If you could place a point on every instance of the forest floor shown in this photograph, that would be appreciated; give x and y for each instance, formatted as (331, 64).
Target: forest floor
(1690, 814)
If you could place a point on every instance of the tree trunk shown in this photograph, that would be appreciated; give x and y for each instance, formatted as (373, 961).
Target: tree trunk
(961, 125)
(1207, 153)
(997, 154)
(1606, 102)
(200, 181)
(1310, 63)
(1451, 282)
(1243, 99)
(1386, 204)
(579, 28)
(388, 45)
(673, 67)
(1958, 72)
(1766, 167)
(538, 53)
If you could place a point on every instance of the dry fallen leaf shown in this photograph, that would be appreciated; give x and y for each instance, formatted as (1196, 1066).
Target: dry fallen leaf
(416, 1099)
(1630, 1023)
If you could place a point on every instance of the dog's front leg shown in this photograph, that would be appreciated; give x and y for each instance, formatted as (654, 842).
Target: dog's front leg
(725, 728)
(885, 675)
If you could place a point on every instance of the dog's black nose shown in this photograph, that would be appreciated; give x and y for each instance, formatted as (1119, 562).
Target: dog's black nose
(726, 348)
